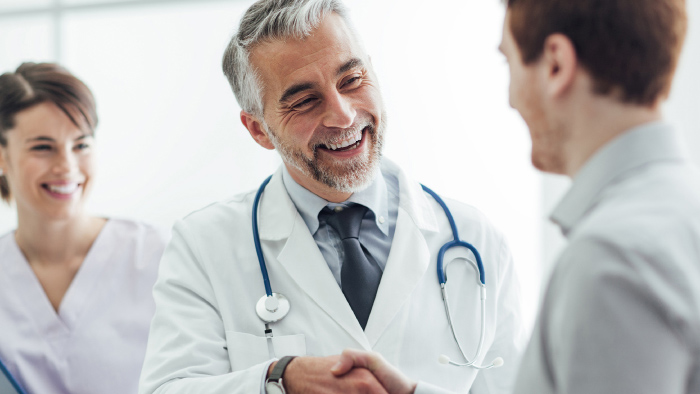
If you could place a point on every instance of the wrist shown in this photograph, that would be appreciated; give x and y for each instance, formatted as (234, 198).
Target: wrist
(270, 368)
(275, 384)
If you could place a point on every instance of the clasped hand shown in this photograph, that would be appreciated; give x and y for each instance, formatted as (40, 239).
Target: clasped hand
(354, 371)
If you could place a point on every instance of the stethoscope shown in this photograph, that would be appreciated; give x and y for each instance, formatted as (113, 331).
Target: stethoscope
(10, 379)
(273, 307)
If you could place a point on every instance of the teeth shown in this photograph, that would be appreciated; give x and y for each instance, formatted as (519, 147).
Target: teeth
(350, 141)
(64, 189)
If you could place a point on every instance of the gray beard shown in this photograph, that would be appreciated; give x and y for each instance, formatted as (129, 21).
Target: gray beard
(353, 177)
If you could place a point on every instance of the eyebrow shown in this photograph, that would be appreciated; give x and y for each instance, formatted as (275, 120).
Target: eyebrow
(350, 64)
(49, 139)
(294, 89)
(300, 87)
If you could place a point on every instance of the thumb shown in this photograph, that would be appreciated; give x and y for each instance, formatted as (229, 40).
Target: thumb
(346, 362)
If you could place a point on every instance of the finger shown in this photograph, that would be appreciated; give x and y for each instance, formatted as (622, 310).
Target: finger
(348, 359)
(344, 364)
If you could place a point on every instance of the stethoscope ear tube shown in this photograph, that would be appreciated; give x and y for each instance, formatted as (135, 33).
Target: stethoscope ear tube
(256, 238)
(271, 307)
(11, 379)
(442, 278)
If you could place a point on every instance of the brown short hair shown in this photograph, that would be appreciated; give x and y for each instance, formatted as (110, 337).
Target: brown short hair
(35, 83)
(628, 45)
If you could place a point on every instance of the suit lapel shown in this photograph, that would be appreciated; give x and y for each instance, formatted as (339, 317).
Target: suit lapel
(301, 258)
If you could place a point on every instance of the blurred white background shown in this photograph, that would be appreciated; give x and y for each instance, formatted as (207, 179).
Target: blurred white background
(170, 141)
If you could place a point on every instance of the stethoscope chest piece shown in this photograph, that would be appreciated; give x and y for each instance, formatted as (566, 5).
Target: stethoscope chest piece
(272, 308)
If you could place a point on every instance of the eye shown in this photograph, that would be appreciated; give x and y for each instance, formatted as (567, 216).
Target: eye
(304, 103)
(81, 146)
(352, 81)
(40, 148)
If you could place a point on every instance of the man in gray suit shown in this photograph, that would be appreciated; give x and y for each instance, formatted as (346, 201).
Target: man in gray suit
(621, 313)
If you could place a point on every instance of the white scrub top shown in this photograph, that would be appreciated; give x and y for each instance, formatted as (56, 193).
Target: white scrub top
(97, 340)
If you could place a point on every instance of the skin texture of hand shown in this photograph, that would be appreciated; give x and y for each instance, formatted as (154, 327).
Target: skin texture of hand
(391, 378)
(312, 375)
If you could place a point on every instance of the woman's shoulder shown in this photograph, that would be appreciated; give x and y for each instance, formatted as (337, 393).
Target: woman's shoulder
(140, 242)
(131, 231)
(7, 242)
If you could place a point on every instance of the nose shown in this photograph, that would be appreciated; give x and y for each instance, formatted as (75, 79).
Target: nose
(340, 112)
(65, 162)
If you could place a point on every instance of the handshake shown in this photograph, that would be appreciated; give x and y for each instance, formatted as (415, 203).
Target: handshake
(354, 371)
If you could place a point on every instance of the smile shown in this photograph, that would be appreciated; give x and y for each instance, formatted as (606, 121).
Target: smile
(348, 143)
(65, 189)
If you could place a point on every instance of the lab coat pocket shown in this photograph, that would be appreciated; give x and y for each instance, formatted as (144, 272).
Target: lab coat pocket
(246, 350)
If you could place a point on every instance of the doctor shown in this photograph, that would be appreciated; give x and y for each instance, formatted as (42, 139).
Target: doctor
(621, 312)
(308, 90)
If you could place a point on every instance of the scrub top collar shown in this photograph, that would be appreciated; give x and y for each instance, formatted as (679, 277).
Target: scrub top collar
(639, 146)
(310, 205)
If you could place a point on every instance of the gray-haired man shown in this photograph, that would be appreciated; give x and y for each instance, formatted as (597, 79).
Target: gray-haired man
(347, 237)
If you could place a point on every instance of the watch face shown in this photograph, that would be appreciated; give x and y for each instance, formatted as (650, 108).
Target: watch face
(274, 388)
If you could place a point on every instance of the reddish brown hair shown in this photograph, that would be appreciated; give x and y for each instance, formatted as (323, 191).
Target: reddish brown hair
(628, 45)
(35, 83)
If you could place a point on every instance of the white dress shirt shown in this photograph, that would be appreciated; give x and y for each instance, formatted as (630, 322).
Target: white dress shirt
(377, 228)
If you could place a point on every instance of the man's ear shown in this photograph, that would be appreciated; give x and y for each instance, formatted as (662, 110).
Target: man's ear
(561, 64)
(256, 130)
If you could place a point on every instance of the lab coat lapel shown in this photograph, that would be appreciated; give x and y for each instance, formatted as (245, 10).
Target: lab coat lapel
(301, 258)
(408, 259)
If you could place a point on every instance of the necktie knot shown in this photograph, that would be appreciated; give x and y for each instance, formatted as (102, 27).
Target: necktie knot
(348, 221)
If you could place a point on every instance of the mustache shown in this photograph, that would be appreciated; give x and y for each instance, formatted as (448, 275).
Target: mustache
(334, 136)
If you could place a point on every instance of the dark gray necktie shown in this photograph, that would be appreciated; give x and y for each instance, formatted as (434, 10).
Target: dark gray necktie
(360, 274)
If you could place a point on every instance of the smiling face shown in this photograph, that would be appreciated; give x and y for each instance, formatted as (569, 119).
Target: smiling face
(323, 109)
(48, 163)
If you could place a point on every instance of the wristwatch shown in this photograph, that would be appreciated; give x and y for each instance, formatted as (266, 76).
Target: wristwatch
(273, 384)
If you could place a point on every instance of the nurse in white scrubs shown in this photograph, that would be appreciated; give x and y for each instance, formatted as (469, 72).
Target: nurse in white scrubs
(75, 289)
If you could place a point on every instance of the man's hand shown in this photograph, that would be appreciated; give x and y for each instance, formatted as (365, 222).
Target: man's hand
(391, 378)
(311, 375)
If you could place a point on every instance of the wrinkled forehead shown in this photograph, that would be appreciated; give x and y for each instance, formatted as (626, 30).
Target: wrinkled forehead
(281, 62)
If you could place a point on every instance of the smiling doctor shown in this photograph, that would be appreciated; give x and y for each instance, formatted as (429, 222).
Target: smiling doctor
(348, 240)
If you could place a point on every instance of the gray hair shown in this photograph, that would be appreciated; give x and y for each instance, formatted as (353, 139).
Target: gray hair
(270, 20)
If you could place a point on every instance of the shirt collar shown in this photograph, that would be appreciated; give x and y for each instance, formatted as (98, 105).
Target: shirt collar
(636, 147)
(309, 204)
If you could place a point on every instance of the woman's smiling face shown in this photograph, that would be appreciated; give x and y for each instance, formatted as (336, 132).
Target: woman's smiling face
(48, 163)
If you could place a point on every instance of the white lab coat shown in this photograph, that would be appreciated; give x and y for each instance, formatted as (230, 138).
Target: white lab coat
(97, 340)
(206, 336)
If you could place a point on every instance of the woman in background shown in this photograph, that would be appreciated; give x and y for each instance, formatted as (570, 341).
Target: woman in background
(75, 289)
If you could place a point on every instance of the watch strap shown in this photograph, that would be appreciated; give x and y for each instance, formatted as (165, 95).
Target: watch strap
(279, 368)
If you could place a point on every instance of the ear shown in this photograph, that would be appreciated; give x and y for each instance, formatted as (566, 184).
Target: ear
(256, 130)
(3, 160)
(561, 64)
